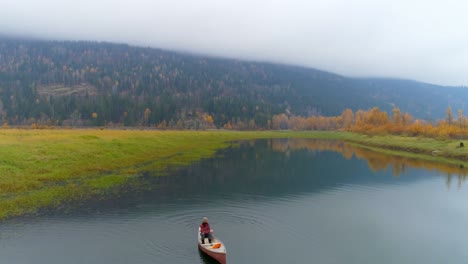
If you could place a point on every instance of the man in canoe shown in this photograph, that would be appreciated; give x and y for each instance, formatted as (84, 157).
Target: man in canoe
(205, 230)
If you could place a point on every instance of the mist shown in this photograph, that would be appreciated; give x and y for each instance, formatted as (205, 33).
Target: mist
(419, 40)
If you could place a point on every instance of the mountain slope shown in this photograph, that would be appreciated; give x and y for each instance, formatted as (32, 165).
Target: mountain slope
(96, 83)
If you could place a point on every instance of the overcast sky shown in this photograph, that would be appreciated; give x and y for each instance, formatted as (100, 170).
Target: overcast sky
(423, 40)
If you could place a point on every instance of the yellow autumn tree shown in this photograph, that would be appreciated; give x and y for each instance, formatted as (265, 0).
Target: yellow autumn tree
(449, 115)
(348, 118)
(146, 116)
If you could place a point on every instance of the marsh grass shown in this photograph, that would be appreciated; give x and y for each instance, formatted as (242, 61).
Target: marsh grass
(47, 168)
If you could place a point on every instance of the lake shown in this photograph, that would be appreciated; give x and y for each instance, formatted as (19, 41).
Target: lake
(270, 201)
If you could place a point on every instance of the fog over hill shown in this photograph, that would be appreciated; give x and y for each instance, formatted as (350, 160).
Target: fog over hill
(418, 39)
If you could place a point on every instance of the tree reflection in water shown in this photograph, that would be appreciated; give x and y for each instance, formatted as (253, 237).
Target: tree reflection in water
(376, 161)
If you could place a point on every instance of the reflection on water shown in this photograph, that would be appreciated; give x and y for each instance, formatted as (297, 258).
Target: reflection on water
(299, 165)
(205, 259)
(375, 160)
(270, 201)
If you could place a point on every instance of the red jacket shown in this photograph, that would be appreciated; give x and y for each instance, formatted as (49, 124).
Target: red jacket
(205, 228)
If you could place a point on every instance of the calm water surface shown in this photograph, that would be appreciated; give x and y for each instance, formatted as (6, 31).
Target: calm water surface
(270, 201)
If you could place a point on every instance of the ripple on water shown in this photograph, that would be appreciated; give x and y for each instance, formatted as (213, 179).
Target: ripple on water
(151, 228)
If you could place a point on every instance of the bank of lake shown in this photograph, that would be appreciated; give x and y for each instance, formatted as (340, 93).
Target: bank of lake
(53, 169)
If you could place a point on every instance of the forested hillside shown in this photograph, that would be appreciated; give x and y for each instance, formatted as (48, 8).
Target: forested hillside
(96, 84)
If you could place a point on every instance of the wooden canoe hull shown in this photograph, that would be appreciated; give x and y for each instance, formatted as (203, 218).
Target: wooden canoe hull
(218, 256)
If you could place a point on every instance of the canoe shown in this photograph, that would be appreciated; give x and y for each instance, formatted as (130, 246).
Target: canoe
(215, 250)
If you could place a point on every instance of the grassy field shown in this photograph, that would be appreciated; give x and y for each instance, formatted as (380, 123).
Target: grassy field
(50, 168)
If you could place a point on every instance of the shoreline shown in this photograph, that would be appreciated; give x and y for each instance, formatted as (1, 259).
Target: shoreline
(52, 168)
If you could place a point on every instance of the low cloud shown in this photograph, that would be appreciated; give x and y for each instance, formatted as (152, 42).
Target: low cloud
(420, 40)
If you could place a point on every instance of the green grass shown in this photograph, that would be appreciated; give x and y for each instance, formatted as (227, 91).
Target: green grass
(444, 151)
(47, 168)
